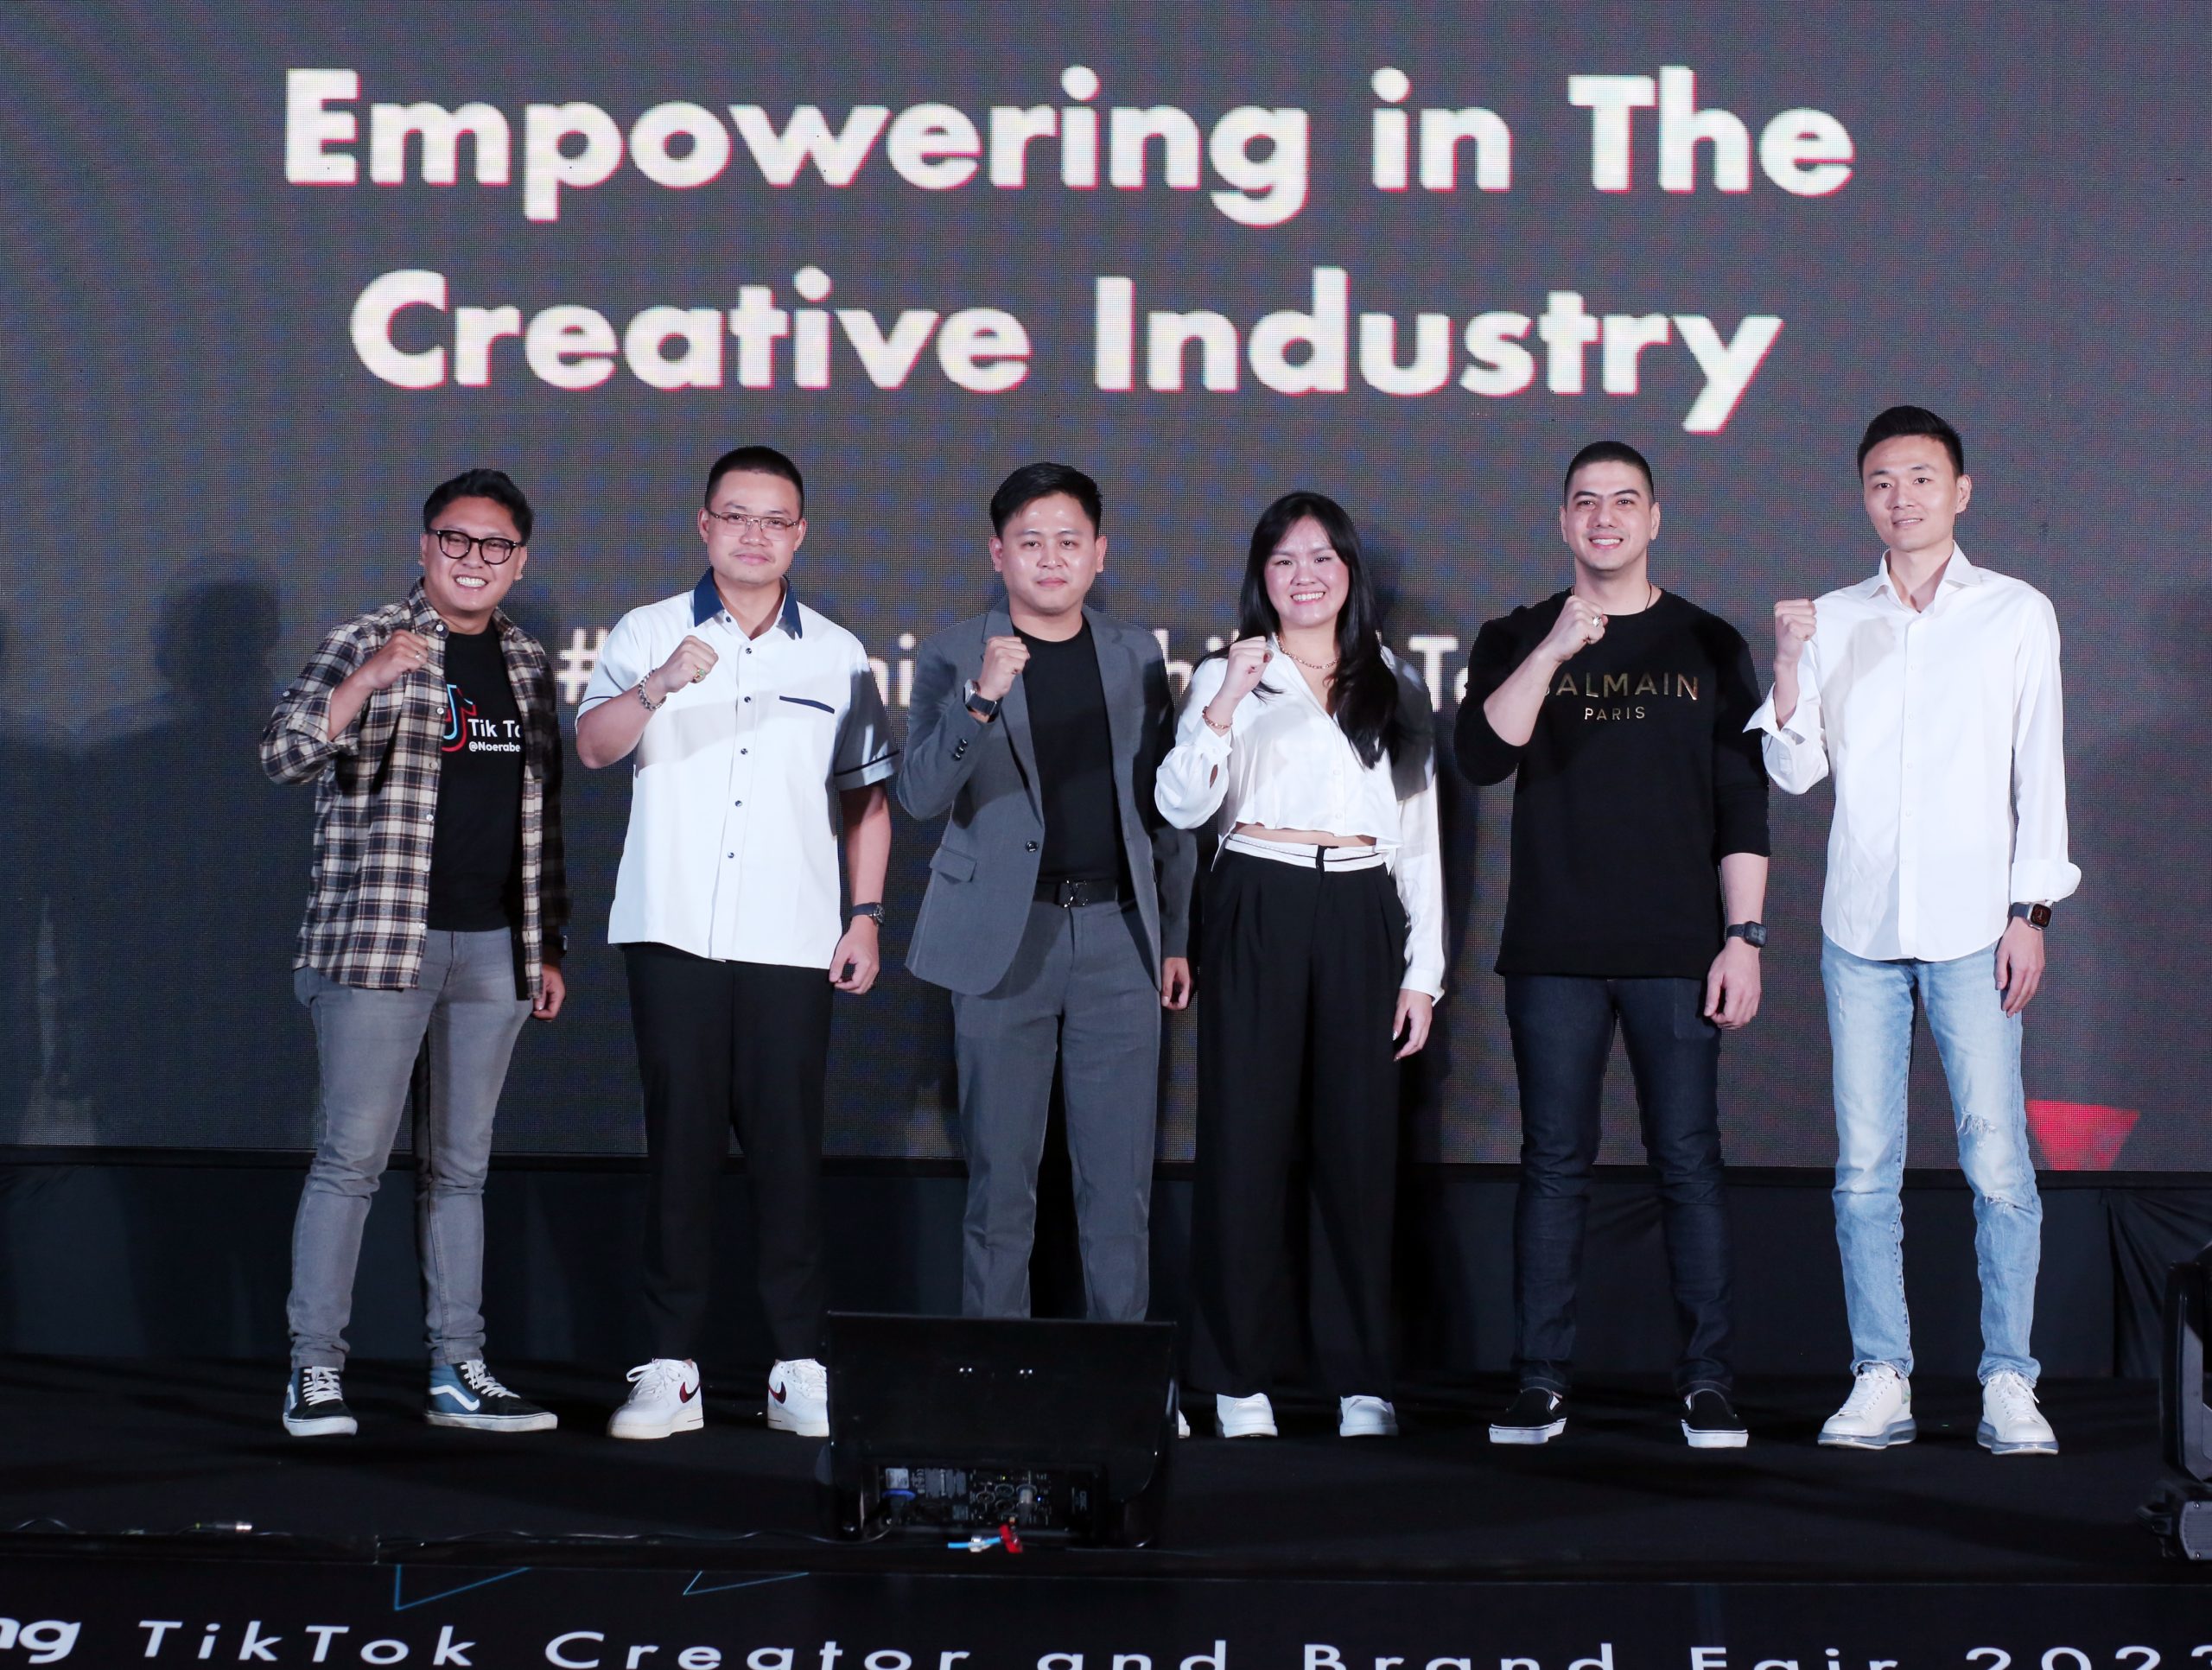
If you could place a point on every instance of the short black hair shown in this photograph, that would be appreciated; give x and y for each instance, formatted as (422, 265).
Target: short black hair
(494, 485)
(1900, 421)
(1608, 452)
(765, 460)
(1034, 481)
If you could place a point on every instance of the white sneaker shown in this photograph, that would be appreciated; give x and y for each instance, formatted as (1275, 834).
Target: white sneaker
(2011, 1422)
(1366, 1417)
(798, 1398)
(1877, 1414)
(664, 1399)
(1245, 1418)
(1182, 1424)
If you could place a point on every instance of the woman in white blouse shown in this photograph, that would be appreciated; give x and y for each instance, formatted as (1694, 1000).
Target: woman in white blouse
(1322, 952)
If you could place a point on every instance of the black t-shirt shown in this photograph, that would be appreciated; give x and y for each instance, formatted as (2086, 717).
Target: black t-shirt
(1637, 781)
(476, 853)
(1075, 760)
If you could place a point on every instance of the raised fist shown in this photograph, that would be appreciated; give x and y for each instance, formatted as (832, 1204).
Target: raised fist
(1247, 658)
(1580, 623)
(398, 656)
(1793, 629)
(1003, 660)
(693, 660)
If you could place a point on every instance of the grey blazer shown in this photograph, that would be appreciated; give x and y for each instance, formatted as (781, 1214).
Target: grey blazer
(984, 875)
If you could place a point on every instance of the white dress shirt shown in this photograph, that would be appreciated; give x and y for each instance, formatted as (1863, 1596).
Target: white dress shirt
(734, 822)
(1943, 728)
(1287, 764)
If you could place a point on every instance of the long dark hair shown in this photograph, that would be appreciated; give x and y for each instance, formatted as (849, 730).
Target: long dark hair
(1366, 693)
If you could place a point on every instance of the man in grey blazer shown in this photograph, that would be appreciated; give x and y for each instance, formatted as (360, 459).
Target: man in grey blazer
(1058, 899)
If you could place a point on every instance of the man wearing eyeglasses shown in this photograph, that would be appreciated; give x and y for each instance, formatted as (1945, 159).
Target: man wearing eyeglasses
(438, 914)
(756, 737)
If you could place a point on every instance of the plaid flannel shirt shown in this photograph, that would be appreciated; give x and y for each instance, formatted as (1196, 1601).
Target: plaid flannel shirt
(376, 801)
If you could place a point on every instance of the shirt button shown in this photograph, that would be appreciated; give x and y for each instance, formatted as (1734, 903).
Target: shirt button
(745, 750)
(748, 698)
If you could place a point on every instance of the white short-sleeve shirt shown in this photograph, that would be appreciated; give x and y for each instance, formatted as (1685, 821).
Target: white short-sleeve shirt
(732, 849)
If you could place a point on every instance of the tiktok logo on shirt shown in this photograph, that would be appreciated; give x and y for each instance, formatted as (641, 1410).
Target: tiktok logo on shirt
(465, 731)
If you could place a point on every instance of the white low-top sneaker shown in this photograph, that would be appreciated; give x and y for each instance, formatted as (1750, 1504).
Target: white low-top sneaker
(1366, 1417)
(2011, 1422)
(664, 1399)
(798, 1398)
(1877, 1414)
(1245, 1418)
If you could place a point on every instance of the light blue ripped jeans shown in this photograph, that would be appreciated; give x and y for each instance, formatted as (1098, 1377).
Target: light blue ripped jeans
(1871, 1009)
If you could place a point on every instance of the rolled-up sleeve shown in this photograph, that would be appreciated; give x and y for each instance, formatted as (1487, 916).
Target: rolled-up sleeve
(296, 743)
(1193, 778)
(2041, 869)
(1796, 753)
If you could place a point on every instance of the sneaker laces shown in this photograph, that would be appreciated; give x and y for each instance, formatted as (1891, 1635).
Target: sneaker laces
(661, 1377)
(2014, 1398)
(319, 1384)
(480, 1379)
(808, 1375)
(1871, 1385)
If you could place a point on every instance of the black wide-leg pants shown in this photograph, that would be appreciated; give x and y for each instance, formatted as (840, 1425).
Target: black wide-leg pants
(1297, 987)
(723, 1046)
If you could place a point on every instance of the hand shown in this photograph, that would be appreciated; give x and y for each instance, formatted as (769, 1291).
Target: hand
(1793, 629)
(1416, 1010)
(2019, 964)
(693, 660)
(1731, 986)
(552, 992)
(1580, 623)
(1003, 660)
(1175, 982)
(398, 656)
(857, 961)
(1247, 659)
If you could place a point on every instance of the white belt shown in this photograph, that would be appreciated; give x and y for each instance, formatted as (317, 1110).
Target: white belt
(1305, 854)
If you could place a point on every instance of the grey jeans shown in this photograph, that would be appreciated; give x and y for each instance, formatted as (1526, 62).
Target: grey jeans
(367, 1043)
(1078, 995)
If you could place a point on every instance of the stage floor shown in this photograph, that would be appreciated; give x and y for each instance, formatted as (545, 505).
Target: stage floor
(108, 1447)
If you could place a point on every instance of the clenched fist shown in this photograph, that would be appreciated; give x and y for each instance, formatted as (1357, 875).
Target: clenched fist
(1003, 660)
(1247, 658)
(1580, 623)
(398, 656)
(693, 660)
(1793, 629)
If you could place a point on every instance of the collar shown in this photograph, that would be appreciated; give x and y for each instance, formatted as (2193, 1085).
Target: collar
(1957, 572)
(426, 620)
(707, 603)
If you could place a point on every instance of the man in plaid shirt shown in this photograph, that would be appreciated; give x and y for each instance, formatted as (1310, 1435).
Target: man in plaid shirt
(430, 730)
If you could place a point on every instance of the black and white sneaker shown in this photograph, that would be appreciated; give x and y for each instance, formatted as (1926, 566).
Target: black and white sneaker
(314, 1405)
(1710, 1421)
(467, 1395)
(1536, 1416)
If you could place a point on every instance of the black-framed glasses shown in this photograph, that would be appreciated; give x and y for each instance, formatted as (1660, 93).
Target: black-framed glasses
(774, 524)
(457, 545)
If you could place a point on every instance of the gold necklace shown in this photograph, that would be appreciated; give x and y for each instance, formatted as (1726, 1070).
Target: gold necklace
(1310, 666)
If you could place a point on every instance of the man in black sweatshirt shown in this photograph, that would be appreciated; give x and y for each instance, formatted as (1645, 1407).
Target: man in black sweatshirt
(1639, 812)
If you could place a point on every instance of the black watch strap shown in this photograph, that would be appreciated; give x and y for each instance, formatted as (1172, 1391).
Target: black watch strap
(873, 912)
(1753, 934)
(2035, 916)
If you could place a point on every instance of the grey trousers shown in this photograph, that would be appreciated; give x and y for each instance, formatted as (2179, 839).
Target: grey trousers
(1079, 992)
(368, 1042)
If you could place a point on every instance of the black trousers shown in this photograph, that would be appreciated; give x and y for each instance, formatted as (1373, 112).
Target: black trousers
(1299, 976)
(724, 1045)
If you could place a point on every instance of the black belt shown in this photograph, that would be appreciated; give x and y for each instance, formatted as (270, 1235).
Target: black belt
(1068, 893)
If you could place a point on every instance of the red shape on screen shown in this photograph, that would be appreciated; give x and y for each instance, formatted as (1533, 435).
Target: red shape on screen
(2080, 1136)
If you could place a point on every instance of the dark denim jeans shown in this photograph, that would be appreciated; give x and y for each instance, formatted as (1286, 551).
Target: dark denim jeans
(1562, 1032)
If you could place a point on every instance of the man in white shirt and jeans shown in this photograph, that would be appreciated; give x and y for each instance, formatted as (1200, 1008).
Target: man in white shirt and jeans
(1931, 691)
(756, 736)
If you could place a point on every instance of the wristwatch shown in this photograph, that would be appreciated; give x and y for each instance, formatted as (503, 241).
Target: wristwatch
(2037, 916)
(873, 912)
(979, 704)
(1753, 934)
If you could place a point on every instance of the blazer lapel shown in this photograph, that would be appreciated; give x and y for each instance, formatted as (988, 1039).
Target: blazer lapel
(1123, 715)
(1015, 711)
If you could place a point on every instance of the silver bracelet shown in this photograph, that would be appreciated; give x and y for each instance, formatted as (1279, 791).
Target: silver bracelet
(650, 706)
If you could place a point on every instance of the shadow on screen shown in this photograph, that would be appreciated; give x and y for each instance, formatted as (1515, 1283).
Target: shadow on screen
(183, 892)
(34, 769)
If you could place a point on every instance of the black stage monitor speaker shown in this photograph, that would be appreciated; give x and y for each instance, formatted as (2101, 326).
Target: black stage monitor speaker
(964, 1428)
(2181, 1514)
